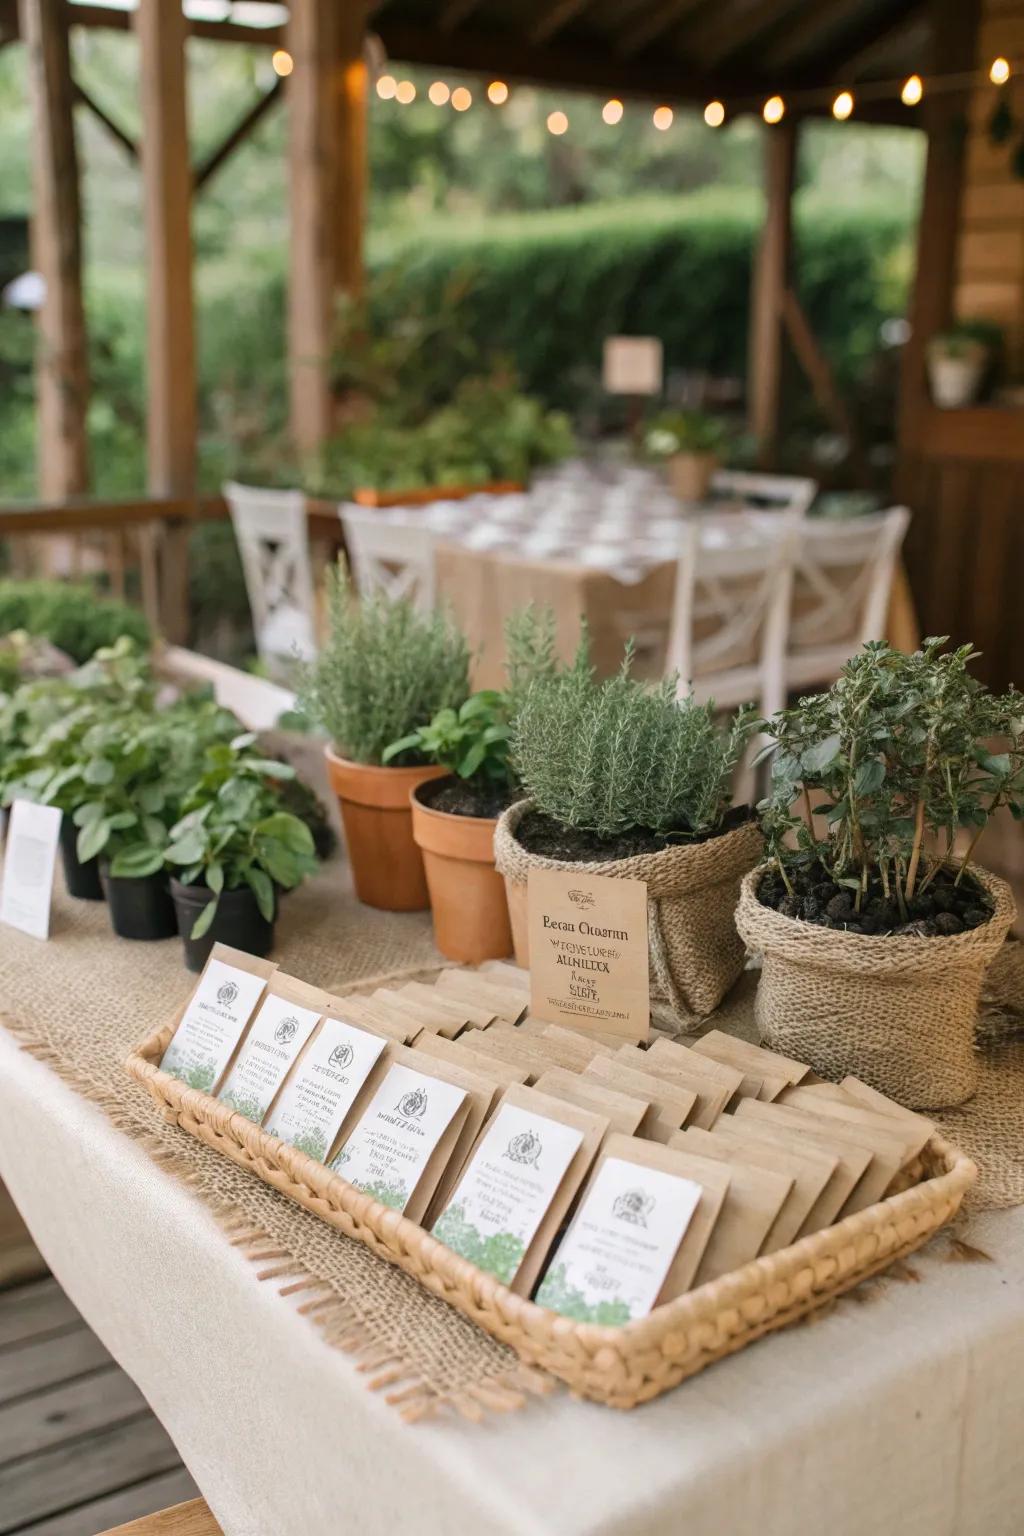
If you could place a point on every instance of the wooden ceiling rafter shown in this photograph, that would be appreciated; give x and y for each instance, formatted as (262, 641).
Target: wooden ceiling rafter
(730, 32)
(831, 65)
(806, 33)
(652, 26)
(554, 17)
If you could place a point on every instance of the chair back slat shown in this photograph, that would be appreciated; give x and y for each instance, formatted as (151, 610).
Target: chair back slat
(273, 542)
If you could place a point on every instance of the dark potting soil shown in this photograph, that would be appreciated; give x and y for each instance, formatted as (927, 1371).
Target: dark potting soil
(542, 835)
(459, 797)
(942, 910)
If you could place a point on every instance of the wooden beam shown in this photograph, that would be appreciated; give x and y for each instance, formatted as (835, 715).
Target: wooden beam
(554, 17)
(171, 370)
(818, 372)
(216, 31)
(730, 31)
(769, 284)
(327, 160)
(876, 54)
(238, 135)
(116, 132)
(62, 368)
(650, 27)
(849, 44)
(954, 26)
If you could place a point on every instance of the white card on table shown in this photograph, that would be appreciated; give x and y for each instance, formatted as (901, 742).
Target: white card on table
(33, 832)
(612, 1262)
(218, 1011)
(505, 1192)
(322, 1089)
(389, 1149)
(277, 1035)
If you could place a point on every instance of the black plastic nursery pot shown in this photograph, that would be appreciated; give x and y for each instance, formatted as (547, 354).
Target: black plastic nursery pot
(239, 922)
(140, 907)
(82, 880)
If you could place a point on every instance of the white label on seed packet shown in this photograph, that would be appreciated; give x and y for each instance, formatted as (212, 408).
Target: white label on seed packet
(32, 836)
(613, 1260)
(505, 1192)
(278, 1033)
(390, 1147)
(323, 1087)
(220, 1008)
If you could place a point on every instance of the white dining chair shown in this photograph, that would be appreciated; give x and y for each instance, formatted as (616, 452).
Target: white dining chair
(778, 493)
(273, 542)
(396, 559)
(842, 581)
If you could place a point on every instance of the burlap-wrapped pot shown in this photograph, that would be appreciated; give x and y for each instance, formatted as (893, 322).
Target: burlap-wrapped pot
(695, 952)
(898, 1011)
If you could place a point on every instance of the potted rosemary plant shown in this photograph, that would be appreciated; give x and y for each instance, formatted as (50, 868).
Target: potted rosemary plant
(385, 669)
(874, 922)
(632, 781)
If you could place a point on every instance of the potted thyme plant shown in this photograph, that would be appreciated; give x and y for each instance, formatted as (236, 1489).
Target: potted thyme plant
(385, 669)
(874, 922)
(633, 781)
(691, 444)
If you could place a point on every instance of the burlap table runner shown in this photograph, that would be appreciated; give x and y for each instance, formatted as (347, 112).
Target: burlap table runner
(82, 1001)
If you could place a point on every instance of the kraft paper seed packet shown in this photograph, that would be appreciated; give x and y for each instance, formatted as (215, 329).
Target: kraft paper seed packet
(282, 1024)
(323, 1086)
(215, 1017)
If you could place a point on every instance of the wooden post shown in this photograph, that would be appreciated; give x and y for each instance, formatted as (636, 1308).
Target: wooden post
(171, 382)
(63, 376)
(327, 174)
(770, 279)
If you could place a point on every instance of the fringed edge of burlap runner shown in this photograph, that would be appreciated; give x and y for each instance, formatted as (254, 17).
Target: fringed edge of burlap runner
(336, 1318)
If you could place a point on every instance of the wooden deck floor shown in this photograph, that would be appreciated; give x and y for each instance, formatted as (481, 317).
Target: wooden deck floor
(80, 1450)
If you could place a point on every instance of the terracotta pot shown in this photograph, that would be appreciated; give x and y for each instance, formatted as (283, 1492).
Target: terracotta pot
(386, 864)
(690, 474)
(367, 496)
(467, 895)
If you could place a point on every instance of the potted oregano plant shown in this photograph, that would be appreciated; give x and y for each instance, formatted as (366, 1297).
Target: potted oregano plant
(385, 669)
(691, 445)
(233, 850)
(874, 922)
(627, 780)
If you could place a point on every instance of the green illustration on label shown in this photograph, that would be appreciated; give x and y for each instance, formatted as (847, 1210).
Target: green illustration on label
(395, 1195)
(565, 1299)
(313, 1142)
(201, 1077)
(250, 1106)
(500, 1254)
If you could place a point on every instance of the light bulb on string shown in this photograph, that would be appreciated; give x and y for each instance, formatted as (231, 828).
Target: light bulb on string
(558, 123)
(774, 109)
(842, 106)
(386, 87)
(662, 118)
(439, 93)
(999, 72)
(714, 114)
(405, 92)
(462, 99)
(912, 91)
(612, 111)
(497, 93)
(282, 62)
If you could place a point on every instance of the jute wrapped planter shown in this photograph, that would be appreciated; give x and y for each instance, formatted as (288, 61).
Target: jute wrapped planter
(695, 952)
(898, 1012)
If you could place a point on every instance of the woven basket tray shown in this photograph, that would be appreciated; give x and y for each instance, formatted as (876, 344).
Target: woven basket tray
(618, 1366)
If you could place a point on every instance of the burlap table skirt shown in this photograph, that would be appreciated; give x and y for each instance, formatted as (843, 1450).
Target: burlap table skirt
(696, 953)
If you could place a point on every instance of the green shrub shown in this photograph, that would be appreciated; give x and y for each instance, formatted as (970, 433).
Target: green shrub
(72, 617)
(612, 756)
(386, 668)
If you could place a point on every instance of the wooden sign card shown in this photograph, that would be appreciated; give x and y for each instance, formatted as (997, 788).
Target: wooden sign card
(589, 962)
(216, 1016)
(518, 1184)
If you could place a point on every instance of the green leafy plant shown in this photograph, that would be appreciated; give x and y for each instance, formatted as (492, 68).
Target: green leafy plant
(900, 756)
(471, 741)
(384, 670)
(674, 432)
(608, 757)
(233, 833)
(74, 618)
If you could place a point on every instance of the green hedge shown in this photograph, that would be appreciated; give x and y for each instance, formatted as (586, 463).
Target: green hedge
(71, 617)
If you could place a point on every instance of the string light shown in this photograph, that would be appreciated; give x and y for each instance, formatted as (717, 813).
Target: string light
(497, 93)
(558, 123)
(842, 106)
(662, 118)
(282, 62)
(439, 93)
(774, 109)
(714, 114)
(405, 92)
(1000, 71)
(386, 87)
(912, 91)
(612, 111)
(462, 99)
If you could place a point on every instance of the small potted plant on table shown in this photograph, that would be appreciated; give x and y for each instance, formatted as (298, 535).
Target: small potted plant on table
(385, 669)
(691, 444)
(876, 931)
(958, 360)
(626, 780)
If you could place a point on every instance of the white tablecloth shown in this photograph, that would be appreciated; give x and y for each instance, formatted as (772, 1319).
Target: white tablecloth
(898, 1415)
